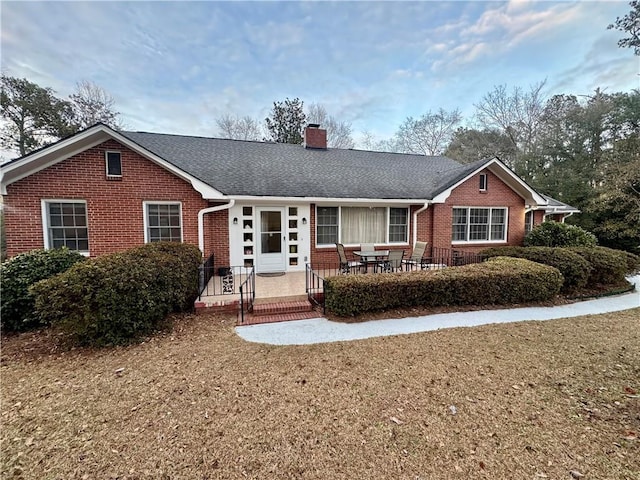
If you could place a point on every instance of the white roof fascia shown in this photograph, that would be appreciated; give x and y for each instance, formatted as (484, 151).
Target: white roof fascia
(207, 192)
(327, 200)
(28, 165)
(506, 172)
(64, 149)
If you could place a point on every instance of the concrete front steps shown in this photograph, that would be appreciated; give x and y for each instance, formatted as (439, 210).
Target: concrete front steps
(278, 310)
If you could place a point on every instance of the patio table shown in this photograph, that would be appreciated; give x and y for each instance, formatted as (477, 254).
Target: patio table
(371, 257)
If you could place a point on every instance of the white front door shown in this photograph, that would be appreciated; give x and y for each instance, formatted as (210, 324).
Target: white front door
(271, 238)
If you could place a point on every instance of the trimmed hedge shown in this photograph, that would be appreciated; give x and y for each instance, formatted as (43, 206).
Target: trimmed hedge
(555, 234)
(22, 271)
(116, 298)
(500, 280)
(609, 266)
(574, 268)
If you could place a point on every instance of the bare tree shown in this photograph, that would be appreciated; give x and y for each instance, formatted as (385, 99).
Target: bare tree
(428, 135)
(370, 142)
(236, 128)
(517, 113)
(92, 104)
(338, 133)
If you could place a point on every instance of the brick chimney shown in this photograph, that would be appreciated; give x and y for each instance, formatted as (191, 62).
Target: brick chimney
(315, 137)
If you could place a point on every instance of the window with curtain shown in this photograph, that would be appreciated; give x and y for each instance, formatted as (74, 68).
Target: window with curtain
(363, 224)
(355, 225)
(476, 224)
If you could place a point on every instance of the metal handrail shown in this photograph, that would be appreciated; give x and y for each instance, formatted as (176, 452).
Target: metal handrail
(248, 287)
(222, 280)
(314, 286)
(205, 272)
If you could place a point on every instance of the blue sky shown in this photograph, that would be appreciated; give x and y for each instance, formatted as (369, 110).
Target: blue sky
(175, 67)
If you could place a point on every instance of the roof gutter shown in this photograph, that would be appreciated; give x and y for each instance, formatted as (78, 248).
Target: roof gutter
(415, 221)
(201, 215)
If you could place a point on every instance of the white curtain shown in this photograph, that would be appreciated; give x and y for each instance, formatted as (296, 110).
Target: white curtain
(364, 225)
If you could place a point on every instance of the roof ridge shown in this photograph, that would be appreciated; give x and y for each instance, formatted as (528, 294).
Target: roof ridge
(269, 142)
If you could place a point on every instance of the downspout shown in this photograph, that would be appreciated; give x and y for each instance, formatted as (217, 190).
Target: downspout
(566, 216)
(415, 221)
(201, 215)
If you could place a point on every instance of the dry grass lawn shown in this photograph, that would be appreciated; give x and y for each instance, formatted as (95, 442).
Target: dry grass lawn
(531, 400)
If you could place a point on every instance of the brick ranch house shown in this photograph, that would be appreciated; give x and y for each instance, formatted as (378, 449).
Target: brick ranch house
(273, 206)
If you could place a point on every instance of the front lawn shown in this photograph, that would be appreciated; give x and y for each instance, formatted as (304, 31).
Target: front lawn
(526, 400)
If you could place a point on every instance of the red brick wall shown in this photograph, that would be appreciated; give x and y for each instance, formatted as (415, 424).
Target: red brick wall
(114, 206)
(216, 228)
(498, 194)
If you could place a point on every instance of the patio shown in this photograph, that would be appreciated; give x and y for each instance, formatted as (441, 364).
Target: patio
(273, 297)
(269, 288)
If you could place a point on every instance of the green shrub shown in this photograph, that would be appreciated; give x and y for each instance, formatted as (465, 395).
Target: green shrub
(500, 280)
(573, 267)
(183, 281)
(609, 266)
(22, 271)
(116, 298)
(555, 234)
(633, 262)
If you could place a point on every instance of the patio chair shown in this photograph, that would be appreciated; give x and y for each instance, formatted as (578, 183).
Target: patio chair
(367, 247)
(394, 262)
(346, 265)
(366, 261)
(416, 258)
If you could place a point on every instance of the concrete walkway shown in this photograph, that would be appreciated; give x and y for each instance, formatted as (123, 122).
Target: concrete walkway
(321, 330)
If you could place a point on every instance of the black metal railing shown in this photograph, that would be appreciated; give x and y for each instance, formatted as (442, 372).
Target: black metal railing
(314, 286)
(436, 258)
(247, 294)
(205, 272)
(222, 280)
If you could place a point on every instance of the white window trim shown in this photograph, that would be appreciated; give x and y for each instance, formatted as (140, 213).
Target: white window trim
(486, 182)
(45, 221)
(106, 163)
(388, 216)
(145, 215)
(530, 224)
(470, 242)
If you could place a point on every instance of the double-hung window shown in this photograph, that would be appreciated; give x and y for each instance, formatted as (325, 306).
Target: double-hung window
(528, 222)
(478, 224)
(163, 222)
(327, 225)
(65, 224)
(354, 225)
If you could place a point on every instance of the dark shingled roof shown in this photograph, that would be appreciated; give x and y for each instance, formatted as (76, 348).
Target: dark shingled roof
(236, 167)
